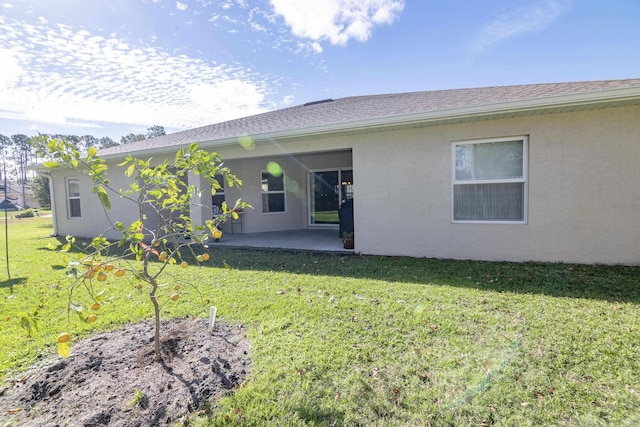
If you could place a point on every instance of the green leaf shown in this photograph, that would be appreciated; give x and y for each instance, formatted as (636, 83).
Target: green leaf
(92, 152)
(104, 198)
(179, 154)
(99, 168)
(27, 324)
(119, 226)
(135, 226)
(51, 164)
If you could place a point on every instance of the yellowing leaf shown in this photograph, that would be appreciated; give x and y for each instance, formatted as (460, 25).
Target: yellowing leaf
(51, 165)
(104, 198)
(63, 349)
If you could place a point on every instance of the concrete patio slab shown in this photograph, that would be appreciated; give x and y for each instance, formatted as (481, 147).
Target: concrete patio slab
(325, 241)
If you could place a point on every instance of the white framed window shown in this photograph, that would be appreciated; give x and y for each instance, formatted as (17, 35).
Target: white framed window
(73, 198)
(490, 180)
(273, 192)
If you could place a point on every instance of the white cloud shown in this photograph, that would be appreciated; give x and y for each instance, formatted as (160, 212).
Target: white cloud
(316, 47)
(337, 21)
(65, 75)
(232, 93)
(181, 6)
(10, 69)
(518, 21)
(288, 100)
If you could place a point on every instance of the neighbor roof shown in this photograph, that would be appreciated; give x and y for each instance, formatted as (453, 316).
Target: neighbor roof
(357, 112)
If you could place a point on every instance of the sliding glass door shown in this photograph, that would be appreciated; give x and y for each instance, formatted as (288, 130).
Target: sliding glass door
(328, 190)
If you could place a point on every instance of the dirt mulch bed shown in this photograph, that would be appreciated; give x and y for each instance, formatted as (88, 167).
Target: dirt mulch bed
(111, 379)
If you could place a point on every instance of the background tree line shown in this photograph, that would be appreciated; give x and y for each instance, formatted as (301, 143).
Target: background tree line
(18, 153)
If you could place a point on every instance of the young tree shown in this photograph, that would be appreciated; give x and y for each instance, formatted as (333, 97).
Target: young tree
(162, 232)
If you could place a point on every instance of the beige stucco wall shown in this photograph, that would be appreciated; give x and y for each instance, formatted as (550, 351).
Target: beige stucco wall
(95, 220)
(583, 199)
(584, 191)
(296, 168)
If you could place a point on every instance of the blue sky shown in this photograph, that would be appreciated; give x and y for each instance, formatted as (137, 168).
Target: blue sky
(109, 68)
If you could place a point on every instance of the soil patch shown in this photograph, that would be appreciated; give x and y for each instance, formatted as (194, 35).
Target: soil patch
(111, 379)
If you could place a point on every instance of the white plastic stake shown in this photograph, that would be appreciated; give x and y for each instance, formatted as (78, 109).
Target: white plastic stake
(212, 319)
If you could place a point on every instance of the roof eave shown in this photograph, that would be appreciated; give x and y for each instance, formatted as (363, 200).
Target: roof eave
(615, 96)
(468, 112)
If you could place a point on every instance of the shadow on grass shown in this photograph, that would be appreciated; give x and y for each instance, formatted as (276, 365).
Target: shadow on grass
(12, 282)
(610, 283)
(613, 283)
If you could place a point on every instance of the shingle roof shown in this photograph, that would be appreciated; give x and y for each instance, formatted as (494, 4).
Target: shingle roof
(354, 109)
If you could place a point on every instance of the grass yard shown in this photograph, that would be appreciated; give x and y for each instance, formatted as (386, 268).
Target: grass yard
(376, 341)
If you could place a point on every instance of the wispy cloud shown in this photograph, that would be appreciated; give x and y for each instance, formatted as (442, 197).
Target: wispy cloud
(518, 21)
(181, 6)
(337, 21)
(60, 74)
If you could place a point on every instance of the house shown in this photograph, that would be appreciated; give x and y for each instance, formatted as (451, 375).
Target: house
(542, 172)
(14, 193)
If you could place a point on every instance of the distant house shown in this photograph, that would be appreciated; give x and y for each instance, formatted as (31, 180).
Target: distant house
(544, 172)
(14, 194)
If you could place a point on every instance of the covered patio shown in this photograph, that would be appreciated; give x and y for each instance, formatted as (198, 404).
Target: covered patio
(310, 240)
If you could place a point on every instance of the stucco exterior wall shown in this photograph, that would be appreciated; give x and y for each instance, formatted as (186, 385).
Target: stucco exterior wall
(296, 168)
(94, 220)
(583, 200)
(583, 189)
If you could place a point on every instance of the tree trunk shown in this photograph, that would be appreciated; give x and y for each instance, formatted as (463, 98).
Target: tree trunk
(156, 307)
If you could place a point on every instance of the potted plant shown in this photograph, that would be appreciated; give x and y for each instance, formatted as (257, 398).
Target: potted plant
(347, 240)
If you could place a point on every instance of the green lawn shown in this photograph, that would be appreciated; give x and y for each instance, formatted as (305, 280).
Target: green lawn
(377, 341)
(326, 217)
